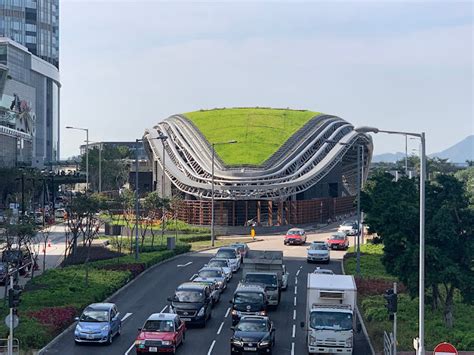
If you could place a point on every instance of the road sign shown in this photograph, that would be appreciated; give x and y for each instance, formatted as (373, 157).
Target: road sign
(445, 349)
(16, 320)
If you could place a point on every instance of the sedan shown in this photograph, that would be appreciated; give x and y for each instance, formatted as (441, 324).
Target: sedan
(295, 236)
(162, 332)
(215, 274)
(338, 240)
(255, 334)
(232, 255)
(318, 251)
(98, 323)
(224, 264)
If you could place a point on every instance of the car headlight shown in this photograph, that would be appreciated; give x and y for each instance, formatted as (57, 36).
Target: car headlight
(312, 340)
(139, 342)
(237, 342)
(264, 343)
(348, 342)
(79, 328)
(234, 312)
(262, 313)
(201, 312)
(105, 328)
(166, 342)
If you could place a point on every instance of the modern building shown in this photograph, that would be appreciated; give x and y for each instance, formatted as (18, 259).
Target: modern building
(309, 175)
(29, 107)
(33, 24)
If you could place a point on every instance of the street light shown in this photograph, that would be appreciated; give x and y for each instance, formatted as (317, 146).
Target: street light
(87, 151)
(360, 178)
(421, 330)
(212, 188)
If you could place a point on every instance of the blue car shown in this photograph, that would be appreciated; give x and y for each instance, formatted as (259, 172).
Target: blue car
(98, 323)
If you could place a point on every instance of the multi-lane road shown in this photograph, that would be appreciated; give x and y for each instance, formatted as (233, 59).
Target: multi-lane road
(149, 294)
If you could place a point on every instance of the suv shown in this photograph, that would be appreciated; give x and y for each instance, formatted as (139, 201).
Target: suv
(295, 236)
(248, 299)
(318, 251)
(232, 255)
(98, 323)
(162, 332)
(192, 302)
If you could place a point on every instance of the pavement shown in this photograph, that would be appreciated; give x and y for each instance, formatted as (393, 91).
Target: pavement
(149, 292)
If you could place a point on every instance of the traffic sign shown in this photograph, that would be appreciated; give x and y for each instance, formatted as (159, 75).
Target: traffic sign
(445, 349)
(16, 320)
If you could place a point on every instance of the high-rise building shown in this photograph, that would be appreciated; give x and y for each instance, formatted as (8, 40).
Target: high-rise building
(34, 24)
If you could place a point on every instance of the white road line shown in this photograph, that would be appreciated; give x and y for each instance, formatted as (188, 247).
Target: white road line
(294, 301)
(220, 328)
(296, 290)
(126, 316)
(301, 267)
(192, 277)
(292, 348)
(294, 314)
(187, 264)
(298, 272)
(296, 281)
(130, 348)
(212, 347)
(227, 313)
(164, 309)
(294, 331)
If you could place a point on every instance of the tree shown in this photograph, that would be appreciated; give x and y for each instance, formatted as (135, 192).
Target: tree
(466, 176)
(392, 211)
(153, 206)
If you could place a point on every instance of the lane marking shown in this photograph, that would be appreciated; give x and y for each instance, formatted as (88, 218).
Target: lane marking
(192, 277)
(294, 331)
(220, 328)
(187, 264)
(296, 290)
(294, 314)
(130, 348)
(296, 281)
(292, 348)
(164, 309)
(298, 272)
(212, 347)
(227, 313)
(126, 316)
(294, 301)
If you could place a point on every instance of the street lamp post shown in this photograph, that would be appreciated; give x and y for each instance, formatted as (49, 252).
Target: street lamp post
(87, 151)
(163, 138)
(212, 187)
(421, 310)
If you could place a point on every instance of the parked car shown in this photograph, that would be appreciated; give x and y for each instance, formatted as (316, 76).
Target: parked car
(60, 213)
(216, 274)
(318, 251)
(254, 334)
(295, 236)
(338, 240)
(242, 249)
(192, 302)
(222, 263)
(98, 323)
(162, 332)
(349, 227)
(320, 271)
(230, 254)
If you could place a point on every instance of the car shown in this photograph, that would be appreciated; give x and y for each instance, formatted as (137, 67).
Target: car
(338, 240)
(349, 227)
(192, 302)
(295, 236)
(248, 299)
(320, 271)
(242, 249)
(21, 259)
(318, 251)
(222, 263)
(230, 254)
(98, 323)
(216, 274)
(255, 334)
(60, 213)
(161, 333)
(215, 290)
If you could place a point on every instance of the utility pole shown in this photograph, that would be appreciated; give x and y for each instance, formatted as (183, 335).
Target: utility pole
(136, 198)
(212, 198)
(163, 138)
(395, 322)
(358, 209)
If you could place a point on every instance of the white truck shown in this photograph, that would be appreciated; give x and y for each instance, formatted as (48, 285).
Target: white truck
(330, 313)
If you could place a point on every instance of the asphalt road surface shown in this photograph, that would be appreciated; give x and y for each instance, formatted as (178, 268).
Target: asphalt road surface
(149, 294)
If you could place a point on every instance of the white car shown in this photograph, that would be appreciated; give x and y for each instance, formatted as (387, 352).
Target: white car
(349, 227)
(224, 264)
(320, 271)
(318, 252)
(230, 254)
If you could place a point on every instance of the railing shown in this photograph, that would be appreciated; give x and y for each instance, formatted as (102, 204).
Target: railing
(4, 346)
(388, 343)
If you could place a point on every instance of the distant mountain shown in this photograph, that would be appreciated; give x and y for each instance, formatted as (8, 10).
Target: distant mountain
(388, 157)
(458, 153)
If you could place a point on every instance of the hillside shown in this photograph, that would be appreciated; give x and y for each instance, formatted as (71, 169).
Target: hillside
(259, 132)
(458, 153)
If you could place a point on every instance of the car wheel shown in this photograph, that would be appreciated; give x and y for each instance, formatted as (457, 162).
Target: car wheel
(110, 339)
(77, 342)
(119, 331)
(183, 339)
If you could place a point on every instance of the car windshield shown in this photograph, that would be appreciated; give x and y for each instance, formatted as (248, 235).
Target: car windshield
(210, 273)
(248, 297)
(349, 224)
(330, 320)
(262, 278)
(318, 246)
(189, 296)
(218, 263)
(337, 237)
(226, 254)
(94, 315)
(158, 326)
(294, 232)
(252, 326)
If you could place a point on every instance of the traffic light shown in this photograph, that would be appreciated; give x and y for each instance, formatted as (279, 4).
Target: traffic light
(391, 299)
(14, 296)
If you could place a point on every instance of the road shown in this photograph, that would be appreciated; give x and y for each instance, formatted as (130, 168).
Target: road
(149, 294)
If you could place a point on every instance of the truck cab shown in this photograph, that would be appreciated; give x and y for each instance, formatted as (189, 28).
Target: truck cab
(248, 299)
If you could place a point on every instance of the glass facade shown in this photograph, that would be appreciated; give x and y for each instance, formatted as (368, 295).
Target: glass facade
(34, 24)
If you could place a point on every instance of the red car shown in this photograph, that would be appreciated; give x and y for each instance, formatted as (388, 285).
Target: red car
(295, 236)
(161, 333)
(339, 240)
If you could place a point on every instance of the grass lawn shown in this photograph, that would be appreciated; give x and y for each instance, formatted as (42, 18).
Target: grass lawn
(259, 132)
(372, 306)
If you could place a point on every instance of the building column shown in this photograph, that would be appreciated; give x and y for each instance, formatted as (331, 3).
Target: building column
(270, 213)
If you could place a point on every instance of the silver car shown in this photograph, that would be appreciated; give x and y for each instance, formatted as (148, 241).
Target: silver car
(223, 263)
(318, 252)
(215, 274)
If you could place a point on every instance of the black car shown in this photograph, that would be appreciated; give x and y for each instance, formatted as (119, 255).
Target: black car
(248, 299)
(192, 301)
(254, 334)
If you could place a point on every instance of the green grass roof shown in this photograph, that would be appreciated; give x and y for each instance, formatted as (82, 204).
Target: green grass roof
(259, 132)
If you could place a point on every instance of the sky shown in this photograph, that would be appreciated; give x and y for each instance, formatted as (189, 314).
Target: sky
(126, 65)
